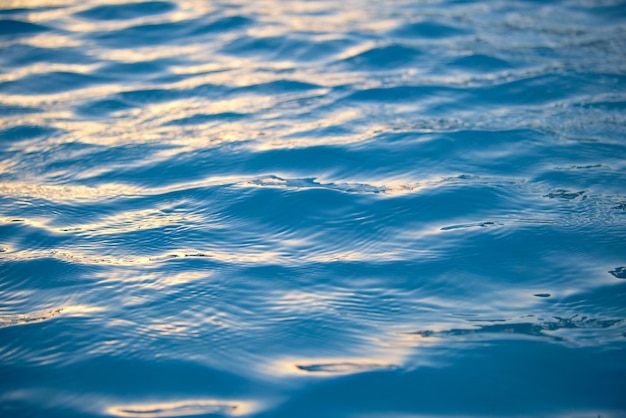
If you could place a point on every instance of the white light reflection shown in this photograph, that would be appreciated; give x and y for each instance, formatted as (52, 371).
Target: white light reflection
(184, 408)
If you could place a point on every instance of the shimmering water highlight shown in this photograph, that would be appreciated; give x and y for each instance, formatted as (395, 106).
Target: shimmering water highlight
(312, 208)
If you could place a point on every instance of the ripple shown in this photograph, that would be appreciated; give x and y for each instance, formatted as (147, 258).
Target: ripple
(619, 272)
(384, 58)
(565, 194)
(127, 11)
(11, 28)
(479, 63)
(183, 408)
(559, 329)
(12, 320)
(23, 55)
(428, 29)
(49, 83)
(25, 132)
(169, 32)
(343, 368)
(329, 206)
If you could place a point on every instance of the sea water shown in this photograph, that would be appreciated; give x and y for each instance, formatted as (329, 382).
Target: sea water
(299, 209)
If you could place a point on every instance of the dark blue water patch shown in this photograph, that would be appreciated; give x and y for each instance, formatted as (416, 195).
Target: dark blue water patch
(224, 24)
(535, 90)
(312, 159)
(610, 12)
(151, 96)
(478, 384)
(119, 155)
(26, 274)
(404, 93)
(620, 206)
(425, 228)
(350, 160)
(204, 118)
(137, 98)
(10, 110)
(540, 329)
(147, 34)
(136, 69)
(169, 32)
(24, 235)
(143, 97)
(127, 11)
(618, 105)
(479, 63)
(291, 47)
(14, 11)
(277, 47)
(602, 302)
(103, 108)
(573, 167)
(384, 58)
(196, 165)
(543, 89)
(23, 132)
(619, 272)
(22, 55)
(11, 28)
(603, 180)
(209, 91)
(137, 380)
(428, 30)
(278, 87)
(321, 50)
(50, 83)
(289, 210)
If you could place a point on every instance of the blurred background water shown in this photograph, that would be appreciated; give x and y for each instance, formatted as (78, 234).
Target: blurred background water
(312, 208)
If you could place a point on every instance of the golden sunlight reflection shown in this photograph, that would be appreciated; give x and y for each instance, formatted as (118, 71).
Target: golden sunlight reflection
(135, 220)
(19, 4)
(138, 54)
(68, 193)
(185, 408)
(52, 41)
(60, 193)
(47, 68)
(9, 319)
(155, 281)
(87, 257)
(330, 366)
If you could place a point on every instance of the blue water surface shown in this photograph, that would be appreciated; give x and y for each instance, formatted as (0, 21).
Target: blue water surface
(318, 208)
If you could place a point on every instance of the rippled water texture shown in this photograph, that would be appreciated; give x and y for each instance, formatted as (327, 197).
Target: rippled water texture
(300, 209)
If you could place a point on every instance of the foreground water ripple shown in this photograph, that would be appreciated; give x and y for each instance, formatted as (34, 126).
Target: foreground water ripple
(312, 209)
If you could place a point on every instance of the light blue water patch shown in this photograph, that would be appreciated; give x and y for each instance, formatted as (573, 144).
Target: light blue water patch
(313, 209)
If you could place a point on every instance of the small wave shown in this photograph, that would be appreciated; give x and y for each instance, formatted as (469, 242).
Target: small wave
(343, 368)
(555, 330)
(12, 28)
(49, 83)
(209, 202)
(182, 408)
(384, 58)
(127, 11)
(428, 30)
(619, 272)
(25, 319)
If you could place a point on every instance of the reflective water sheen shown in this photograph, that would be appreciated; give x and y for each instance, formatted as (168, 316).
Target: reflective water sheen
(312, 208)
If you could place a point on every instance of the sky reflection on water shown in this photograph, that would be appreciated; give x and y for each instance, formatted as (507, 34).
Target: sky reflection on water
(312, 208)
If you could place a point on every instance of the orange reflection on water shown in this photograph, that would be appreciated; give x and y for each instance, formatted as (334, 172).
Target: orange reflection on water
(330, 366)
(184, 408)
